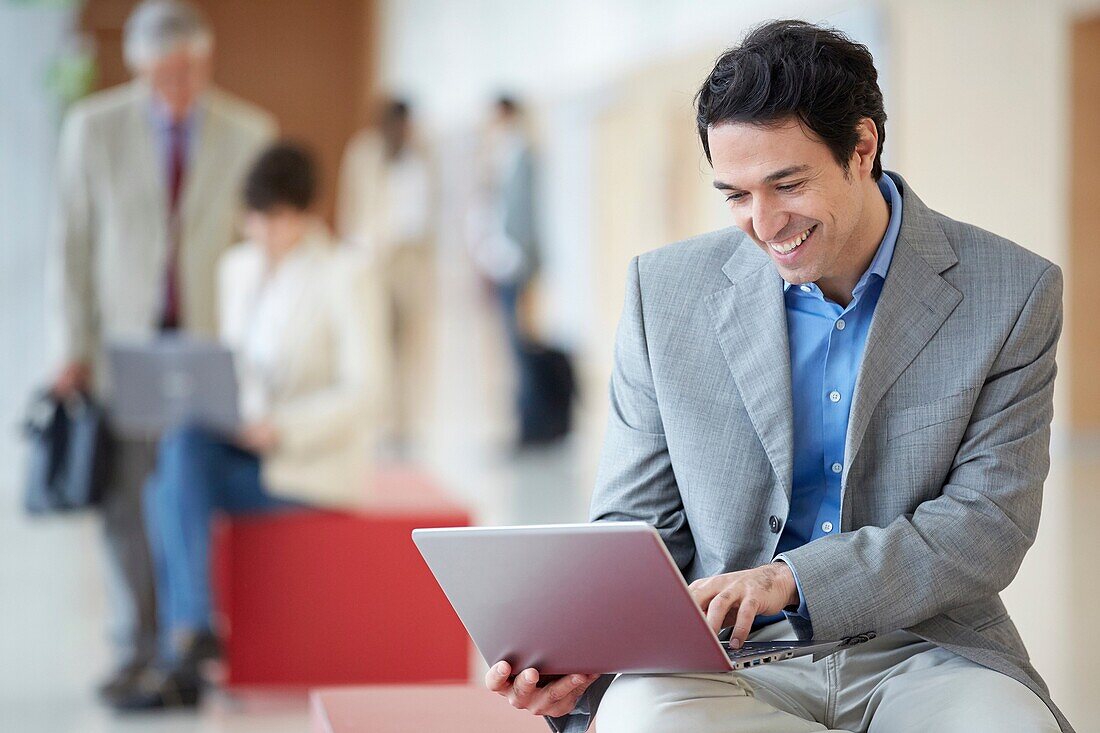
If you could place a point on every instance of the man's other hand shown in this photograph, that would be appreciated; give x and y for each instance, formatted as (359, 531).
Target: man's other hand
(735, 599)
(259, 437)
(555, 699)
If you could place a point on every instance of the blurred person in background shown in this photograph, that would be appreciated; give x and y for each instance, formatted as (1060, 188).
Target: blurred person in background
(503, 228)
(305, 321)
(505, 239)
(149, 175)
(386, 207)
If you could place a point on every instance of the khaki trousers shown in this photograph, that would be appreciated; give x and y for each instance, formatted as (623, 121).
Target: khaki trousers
(408, 276)
(897, 683)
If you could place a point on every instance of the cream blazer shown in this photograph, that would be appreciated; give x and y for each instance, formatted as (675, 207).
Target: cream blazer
(109, 239)
(384, 204)
(309, 344)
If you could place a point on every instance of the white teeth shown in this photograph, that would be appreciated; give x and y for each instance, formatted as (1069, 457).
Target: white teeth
(791, 244)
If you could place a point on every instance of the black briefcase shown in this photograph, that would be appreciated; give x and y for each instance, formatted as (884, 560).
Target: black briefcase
(547, 391)
(67, 454)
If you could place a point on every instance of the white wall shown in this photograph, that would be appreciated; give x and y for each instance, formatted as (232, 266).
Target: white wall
(979, 111)
(451, 57)
(31, 36)
(48, 564)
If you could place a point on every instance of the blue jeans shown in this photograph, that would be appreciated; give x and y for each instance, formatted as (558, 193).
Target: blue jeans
(198, 473)
(508, 300)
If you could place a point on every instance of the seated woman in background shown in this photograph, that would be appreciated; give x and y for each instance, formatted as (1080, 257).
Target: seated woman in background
(305, 323)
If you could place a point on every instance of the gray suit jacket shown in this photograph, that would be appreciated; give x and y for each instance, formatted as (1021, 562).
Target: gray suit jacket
(517, 205)
(947, 445)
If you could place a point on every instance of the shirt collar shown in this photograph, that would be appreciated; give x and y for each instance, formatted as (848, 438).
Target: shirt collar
(316, 238)
(880, 264)
(162, 119)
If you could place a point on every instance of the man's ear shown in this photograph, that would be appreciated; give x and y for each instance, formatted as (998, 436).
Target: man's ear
(863, 157)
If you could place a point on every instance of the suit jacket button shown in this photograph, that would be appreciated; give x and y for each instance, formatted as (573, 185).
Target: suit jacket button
(773, 523)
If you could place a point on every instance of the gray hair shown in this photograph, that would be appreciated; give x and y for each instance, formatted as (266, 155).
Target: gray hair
(156, 28)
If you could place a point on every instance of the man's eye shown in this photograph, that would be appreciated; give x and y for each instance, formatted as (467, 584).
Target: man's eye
(788, 186)
(735, 197)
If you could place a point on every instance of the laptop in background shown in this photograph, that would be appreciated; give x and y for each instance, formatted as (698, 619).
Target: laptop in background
(168, 382)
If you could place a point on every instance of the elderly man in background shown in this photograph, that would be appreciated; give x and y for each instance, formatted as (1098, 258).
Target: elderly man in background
(149, 184)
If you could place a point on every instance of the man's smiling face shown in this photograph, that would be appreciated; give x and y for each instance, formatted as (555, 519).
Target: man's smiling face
(789, 195)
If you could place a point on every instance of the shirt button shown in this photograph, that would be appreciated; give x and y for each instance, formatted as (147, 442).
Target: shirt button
(837, 468)
(826, 527)
(834, 396)
(840, 324)
(804, 288)
(773, 524)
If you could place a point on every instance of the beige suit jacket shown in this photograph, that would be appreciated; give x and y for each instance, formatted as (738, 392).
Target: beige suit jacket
(109, 240)
(385, 204)
(309, 342)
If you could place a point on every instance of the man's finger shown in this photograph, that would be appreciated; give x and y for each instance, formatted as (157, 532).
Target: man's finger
(561, 697)
(702, 591)
(746, 614)
(524, 687)
(496, 679)
(718, 608)
(566, 686)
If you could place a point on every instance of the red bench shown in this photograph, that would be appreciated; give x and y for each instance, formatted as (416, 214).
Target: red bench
(421, 708)
(331, 598)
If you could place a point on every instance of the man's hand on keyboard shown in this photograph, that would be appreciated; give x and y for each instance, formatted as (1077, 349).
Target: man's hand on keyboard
(554, 699)
(735, 599)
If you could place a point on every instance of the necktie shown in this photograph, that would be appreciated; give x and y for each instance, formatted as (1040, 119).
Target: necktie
(170, 318)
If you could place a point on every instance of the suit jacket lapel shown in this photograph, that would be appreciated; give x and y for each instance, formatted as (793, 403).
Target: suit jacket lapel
(204, 164)
(751, 321)
(914, 303)
(148, 166)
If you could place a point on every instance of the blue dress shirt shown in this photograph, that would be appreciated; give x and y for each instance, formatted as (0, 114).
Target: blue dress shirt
(826, 345)
(161, 122)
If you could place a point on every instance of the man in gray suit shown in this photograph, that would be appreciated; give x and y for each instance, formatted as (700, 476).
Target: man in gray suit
(148, 198)
(837, 414)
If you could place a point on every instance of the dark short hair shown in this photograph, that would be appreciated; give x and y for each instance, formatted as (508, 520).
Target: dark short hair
(507, 104)
(790, 68)
(283, 175)
(396, 110)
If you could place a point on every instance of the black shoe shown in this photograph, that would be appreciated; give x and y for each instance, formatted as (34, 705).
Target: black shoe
(159, 689)
(124, 679)
(199, 647)
(199, 653)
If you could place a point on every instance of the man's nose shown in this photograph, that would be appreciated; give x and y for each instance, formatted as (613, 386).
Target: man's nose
(767, 221)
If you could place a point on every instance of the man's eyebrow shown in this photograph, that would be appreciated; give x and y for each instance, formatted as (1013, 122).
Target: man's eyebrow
(770, 178)
(785, 172)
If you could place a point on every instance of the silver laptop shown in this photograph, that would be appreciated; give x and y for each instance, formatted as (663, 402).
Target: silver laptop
(590, 598)
(170, 381)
